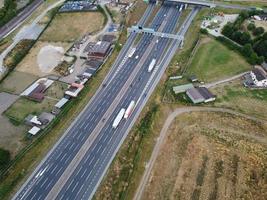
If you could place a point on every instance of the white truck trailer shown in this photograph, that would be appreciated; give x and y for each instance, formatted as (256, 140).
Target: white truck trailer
(152, 65)
(118, 118)
(129, 110)
(132, 52)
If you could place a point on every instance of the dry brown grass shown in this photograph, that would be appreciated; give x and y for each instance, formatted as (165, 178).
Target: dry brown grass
(221, 159)
(68, 27)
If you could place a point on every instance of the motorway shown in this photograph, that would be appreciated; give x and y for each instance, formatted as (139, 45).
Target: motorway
(75, 166)
(21, 17)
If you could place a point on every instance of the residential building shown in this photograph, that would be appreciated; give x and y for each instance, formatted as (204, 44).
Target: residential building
(259, 77)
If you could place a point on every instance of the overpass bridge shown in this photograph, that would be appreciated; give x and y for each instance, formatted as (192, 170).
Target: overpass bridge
(136, 29)
(195, 2)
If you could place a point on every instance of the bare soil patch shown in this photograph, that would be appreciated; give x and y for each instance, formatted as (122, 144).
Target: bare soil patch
(211, 156)
(30, 65)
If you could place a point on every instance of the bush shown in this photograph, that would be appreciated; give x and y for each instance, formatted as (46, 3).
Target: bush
(8, 11)
(258, 31)
(204, 31)
(260, 48)
(4, 157)
(251, 26)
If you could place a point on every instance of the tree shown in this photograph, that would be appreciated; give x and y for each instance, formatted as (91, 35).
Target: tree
(245, 38)
(236, 36)
(258, 31)
(228, 30)
(4, 157)
(251, 26)
(247, 50)
(260, 48)
(253, 59)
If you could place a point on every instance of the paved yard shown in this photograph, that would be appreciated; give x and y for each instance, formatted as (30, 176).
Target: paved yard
(6, 100)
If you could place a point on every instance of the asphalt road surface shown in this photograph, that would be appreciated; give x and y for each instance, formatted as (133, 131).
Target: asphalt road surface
(75, 166)
(21, 17)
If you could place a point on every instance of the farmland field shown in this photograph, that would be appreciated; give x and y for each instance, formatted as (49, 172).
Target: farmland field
(211, 156)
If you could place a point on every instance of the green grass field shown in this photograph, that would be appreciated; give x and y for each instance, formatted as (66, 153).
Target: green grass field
(24, 80)
(23, 107)
(235, 96)
(213, 61)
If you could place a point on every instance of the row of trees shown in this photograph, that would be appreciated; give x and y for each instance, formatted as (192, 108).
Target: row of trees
(8, 11)
(255, 48)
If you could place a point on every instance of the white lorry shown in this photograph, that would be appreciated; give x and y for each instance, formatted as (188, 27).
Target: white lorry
(118, 118)
(129, 110)
(132, 52)
(151, 65)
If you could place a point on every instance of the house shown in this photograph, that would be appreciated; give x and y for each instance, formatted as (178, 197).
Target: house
(200, 95)
(182, 88)
(74, 89)
(37, 90)
(259, 77)
(100, 50)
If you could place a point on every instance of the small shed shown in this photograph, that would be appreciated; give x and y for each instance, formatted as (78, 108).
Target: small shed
(61, 103)
(193, 79)
(34, 130)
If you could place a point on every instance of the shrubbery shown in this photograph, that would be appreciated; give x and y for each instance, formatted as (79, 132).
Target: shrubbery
(4, 158)
(8, 11)
(255, 50)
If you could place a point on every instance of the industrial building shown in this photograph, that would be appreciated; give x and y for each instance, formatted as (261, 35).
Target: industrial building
(200, 95)
(100, 50)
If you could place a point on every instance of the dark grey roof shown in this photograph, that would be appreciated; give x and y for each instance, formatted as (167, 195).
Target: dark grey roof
(259, 74)
(90, 71)
(100, 47)
(94, 63)
(200, 94)
(108, 38)
(195, 94)
(205, 93)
